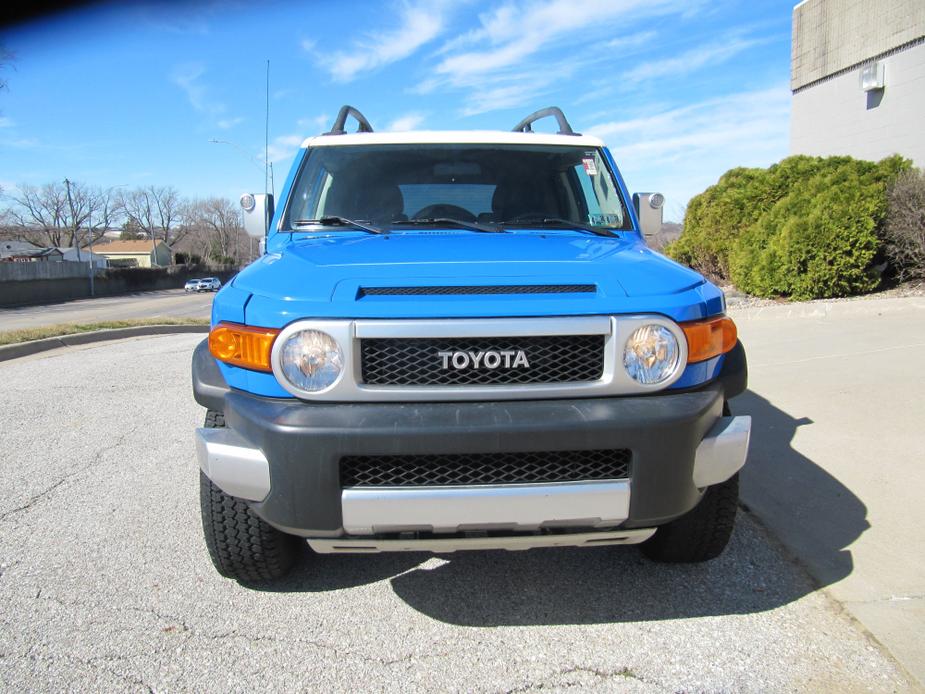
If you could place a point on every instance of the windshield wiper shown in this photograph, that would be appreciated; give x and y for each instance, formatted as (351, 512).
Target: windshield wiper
(341, 221)
(597, 231)
(474, 226)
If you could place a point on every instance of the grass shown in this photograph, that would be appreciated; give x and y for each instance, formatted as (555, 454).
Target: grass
(10, 337)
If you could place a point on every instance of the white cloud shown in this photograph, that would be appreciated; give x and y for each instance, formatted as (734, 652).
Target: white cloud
(21, 143)
(6, 122)
(188, 77)
(283, 147)
(418, 24)
(408, 121)
(632, 41)
(682, 151)
(508, 60)
(228, 123)
(315, 124)
(689, 61)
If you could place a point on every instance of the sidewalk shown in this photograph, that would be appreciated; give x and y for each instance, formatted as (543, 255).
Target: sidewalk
(837, 461)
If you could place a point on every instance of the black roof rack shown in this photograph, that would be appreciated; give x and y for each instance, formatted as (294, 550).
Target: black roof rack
(363, 125)
(526, 125)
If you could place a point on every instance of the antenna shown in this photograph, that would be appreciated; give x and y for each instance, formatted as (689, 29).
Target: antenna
(266, 138)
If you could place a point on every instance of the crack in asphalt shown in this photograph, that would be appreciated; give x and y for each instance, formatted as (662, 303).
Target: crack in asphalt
(553, 680)
(97, 459)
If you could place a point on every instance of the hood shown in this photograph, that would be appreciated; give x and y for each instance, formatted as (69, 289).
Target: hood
(329, 273)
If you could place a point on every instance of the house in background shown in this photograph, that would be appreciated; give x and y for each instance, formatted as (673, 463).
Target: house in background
(73, 256)
(858, 79)
(135, 253)
(25, 252)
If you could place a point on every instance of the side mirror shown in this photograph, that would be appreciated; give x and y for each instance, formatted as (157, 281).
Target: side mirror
(649, 209)
(258, 211)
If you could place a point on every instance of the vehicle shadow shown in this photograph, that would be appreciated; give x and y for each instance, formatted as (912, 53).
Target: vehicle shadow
(809, 510)
(617, 584)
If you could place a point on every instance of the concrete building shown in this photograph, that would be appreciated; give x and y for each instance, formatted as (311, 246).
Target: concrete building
(135, 253)
(858, 79)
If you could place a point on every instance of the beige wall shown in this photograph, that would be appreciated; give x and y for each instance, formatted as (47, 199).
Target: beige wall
(144, 259)
(832, 35)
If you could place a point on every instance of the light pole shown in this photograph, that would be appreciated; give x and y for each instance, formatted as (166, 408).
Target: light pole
(267, 170)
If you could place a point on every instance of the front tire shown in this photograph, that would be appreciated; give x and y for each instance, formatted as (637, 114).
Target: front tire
(702, 533)
(242, 545)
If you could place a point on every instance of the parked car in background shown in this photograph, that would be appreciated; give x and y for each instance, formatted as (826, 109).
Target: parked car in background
(206, 284)
(210, 284)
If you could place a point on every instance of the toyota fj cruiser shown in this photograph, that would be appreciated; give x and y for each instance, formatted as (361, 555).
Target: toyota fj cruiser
(460, 340)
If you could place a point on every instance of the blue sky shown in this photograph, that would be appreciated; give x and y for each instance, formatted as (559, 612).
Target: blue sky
(681, 90)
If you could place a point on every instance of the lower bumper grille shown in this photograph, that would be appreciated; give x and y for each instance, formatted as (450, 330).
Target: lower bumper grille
(484, 468)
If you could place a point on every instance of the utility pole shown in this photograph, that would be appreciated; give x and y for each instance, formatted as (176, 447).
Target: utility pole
(70, 205)
(90, 246)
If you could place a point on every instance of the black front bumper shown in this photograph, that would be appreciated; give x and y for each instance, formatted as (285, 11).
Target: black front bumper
(304, 442)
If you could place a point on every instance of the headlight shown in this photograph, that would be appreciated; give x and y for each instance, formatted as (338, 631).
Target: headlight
(651, 355)
(311, 360)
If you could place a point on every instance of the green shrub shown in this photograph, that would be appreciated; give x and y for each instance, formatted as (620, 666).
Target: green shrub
(807, 227)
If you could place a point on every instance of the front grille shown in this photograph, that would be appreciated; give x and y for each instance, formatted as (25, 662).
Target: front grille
(417, 361)
(479, 289)
(483, 468)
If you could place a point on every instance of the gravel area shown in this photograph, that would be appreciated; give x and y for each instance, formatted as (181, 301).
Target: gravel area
(105, 583)
(739, 300)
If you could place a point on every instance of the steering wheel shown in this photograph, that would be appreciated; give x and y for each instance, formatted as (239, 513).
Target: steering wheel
(444, 210)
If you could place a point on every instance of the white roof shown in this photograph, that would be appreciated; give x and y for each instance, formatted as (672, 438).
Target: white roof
(492, 137)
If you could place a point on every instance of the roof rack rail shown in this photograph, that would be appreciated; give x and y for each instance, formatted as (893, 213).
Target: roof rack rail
(363, 125)
(526, 125)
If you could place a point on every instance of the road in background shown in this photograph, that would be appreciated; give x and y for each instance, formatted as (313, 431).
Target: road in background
(168, 303)
(836, 467)
(105, 583)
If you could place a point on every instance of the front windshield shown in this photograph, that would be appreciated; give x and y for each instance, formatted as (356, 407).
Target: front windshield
(508, 185)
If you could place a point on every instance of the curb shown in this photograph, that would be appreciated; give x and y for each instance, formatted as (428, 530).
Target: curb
(24, 349)
(827, 309)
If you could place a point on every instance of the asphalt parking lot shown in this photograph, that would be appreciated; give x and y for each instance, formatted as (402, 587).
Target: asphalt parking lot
(105, 583)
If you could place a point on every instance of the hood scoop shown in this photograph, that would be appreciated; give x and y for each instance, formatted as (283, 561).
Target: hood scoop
(450, 290)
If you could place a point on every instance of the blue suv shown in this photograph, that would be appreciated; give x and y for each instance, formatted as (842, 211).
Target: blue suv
(460, 340)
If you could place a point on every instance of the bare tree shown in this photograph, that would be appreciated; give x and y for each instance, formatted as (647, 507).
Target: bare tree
(905, 225)
(6, 60)
(219, 219)
(157, 211)
(62, 214)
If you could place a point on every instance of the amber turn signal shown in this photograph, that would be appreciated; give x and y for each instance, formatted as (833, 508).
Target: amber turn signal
(242, 345)
(709, 338)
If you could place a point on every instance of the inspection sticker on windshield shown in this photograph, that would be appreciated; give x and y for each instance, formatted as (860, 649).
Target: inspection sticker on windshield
(590, 166)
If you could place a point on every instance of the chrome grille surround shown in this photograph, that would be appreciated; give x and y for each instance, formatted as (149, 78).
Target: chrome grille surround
(614, 380)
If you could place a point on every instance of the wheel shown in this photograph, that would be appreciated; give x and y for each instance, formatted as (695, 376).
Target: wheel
(241, 545)
(702, 533)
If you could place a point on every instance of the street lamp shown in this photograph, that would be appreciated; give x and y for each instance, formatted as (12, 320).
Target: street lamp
(250, 158)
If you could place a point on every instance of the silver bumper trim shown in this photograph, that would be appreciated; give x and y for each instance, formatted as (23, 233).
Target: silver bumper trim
(235, 466)
(723, 450)
(356, 545)
(368, 511)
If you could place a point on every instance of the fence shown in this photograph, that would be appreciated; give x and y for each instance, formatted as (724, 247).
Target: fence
(42, 270)
(63, 287)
